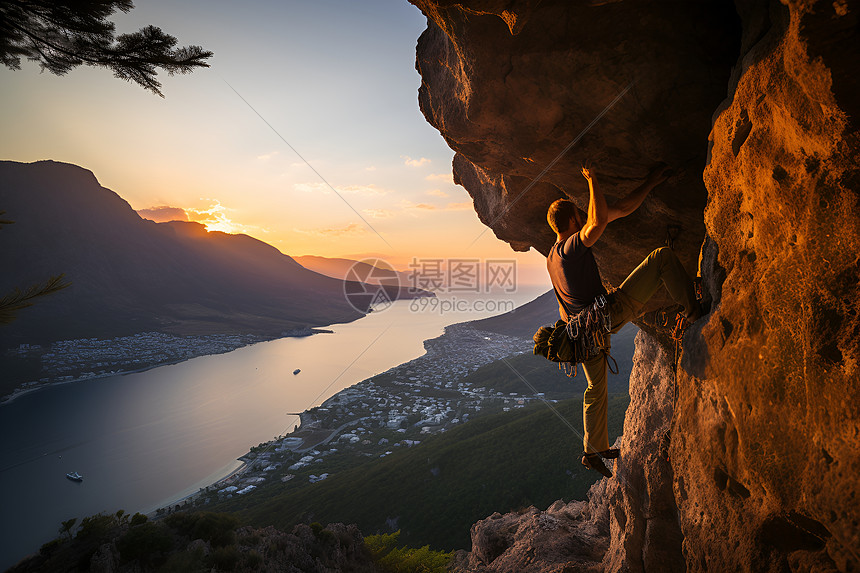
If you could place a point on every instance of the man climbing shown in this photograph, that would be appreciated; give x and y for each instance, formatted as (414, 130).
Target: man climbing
(576, 280)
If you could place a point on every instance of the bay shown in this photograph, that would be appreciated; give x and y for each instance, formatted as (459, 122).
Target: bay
(145, 439)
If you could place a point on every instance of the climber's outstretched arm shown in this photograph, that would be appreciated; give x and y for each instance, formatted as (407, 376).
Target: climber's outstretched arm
(628, 204)
(598, 212)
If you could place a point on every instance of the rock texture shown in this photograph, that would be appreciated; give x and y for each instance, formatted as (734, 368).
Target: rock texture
(630, 522)
(764, 455)
(510, 85)
(767, 424)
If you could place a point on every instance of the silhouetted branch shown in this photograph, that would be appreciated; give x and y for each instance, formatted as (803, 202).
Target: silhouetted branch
(18, 299)
(63, 35)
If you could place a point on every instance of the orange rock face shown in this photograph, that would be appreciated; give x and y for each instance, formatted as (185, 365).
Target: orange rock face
(766, 431)
(767, 424)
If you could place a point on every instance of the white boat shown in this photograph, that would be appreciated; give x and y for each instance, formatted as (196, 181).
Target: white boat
(296, 371)
(75, 476)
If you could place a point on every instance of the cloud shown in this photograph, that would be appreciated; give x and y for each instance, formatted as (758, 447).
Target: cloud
(317, 187)
(351, 229)
(378, 213)
(414, 162)
(370, 168)
(267, 156)
(437, 193)
(415, 208)
(447, 177)
(320, 187)
(362, 189)
(216, 219)
(459, 206)
(163, 213)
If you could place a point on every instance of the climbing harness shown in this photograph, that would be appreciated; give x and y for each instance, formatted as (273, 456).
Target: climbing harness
(583, 336)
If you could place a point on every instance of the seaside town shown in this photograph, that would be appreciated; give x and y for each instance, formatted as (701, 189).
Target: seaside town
(80, 359)
(372, 419)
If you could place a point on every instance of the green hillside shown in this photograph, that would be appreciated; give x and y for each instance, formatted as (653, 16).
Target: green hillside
(544, 376)
(435, 491)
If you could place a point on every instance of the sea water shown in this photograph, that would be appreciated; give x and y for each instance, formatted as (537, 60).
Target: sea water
(145, 439)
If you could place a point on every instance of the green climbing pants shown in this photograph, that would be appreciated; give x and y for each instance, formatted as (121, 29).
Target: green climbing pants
(660, 267)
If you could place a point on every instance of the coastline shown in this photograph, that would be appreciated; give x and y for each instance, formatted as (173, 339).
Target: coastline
(228, 479)
(314, 437)
(18, 392)
(21, 390)
(153, 513)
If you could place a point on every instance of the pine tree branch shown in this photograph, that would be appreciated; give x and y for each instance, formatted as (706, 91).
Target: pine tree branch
(18, 299)
(63, 35)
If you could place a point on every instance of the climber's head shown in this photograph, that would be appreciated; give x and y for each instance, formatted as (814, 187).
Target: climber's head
(563, 217)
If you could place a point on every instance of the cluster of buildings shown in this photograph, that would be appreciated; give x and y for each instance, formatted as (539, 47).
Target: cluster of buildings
(82, 358)
(395, 409)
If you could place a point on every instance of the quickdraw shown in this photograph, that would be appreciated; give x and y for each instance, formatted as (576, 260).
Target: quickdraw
(588, 331)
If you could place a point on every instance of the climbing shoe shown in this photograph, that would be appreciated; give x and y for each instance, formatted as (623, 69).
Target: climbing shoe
(695, 314)
(610, 454)
(594, 462)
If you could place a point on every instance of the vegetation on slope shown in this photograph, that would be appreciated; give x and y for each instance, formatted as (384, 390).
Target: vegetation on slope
(434, 492)
(544, 376)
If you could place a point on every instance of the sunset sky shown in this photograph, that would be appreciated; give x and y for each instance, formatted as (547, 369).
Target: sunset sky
(336, 79)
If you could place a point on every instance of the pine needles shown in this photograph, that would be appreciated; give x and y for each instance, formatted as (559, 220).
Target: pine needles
(19, 299)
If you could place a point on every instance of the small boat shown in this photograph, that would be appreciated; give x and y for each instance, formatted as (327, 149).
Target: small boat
(296, 371)
(75, 476)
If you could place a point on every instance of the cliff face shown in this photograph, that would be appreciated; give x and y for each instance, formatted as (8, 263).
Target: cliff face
(511, 84)
(628, 524)
(765, 432)
(767, 422)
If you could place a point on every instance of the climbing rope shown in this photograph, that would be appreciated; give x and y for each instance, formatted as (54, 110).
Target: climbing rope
(677, 336)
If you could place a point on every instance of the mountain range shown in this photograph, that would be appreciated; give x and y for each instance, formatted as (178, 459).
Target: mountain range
(130, 275)
(372, 270)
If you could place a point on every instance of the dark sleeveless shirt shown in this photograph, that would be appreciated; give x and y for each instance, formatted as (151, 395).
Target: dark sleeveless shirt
(574, 275)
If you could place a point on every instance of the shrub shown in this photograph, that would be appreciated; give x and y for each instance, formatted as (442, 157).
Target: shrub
(321, 533)
(253, 560)
(391, 559)
(145, 543)
(423, 560)
(181, 522)
(96, 528)
(50, 547)
(249, 539)
(138, 519)
(225, 558)
(216, 528)
(379, 545)
(185, 561)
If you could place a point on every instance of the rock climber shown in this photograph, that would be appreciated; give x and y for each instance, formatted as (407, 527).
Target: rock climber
(576, 279)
